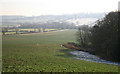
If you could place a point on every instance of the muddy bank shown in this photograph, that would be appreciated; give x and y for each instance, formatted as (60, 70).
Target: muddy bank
(74, 46)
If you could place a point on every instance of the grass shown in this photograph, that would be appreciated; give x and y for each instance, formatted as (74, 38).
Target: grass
(0, 54)
(43, 53)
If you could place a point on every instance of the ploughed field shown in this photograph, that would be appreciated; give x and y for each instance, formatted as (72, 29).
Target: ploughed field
(43, 53)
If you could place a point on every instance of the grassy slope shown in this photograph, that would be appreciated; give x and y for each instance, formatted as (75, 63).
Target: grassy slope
(43, 53)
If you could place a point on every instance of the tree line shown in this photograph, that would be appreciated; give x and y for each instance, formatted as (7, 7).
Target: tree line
(102, 38)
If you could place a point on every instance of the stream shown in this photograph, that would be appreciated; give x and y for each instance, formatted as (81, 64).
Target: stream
(89, 57)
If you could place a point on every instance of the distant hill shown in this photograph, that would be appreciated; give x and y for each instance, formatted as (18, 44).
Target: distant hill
(18, 19)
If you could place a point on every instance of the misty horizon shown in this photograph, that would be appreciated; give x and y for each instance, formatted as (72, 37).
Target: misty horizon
(85, 13)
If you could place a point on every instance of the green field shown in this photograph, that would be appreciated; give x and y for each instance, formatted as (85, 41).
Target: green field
(42, 52)
(26, 29)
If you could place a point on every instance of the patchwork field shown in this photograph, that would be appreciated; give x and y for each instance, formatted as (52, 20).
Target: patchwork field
(43, 53)
(27, 30)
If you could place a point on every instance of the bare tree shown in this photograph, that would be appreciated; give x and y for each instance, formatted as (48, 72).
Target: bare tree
(4, 30)
(16, 30)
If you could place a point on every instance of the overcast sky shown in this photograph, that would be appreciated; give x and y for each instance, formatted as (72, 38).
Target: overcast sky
(55, 7)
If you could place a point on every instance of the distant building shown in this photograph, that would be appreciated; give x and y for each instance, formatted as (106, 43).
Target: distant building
(18, 25)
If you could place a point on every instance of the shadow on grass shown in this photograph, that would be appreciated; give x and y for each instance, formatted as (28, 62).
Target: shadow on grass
(65, 53)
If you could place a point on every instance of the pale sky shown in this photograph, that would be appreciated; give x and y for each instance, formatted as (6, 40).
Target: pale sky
(55, 7)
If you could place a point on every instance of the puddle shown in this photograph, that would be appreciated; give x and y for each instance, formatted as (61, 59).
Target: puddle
(89, 57)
